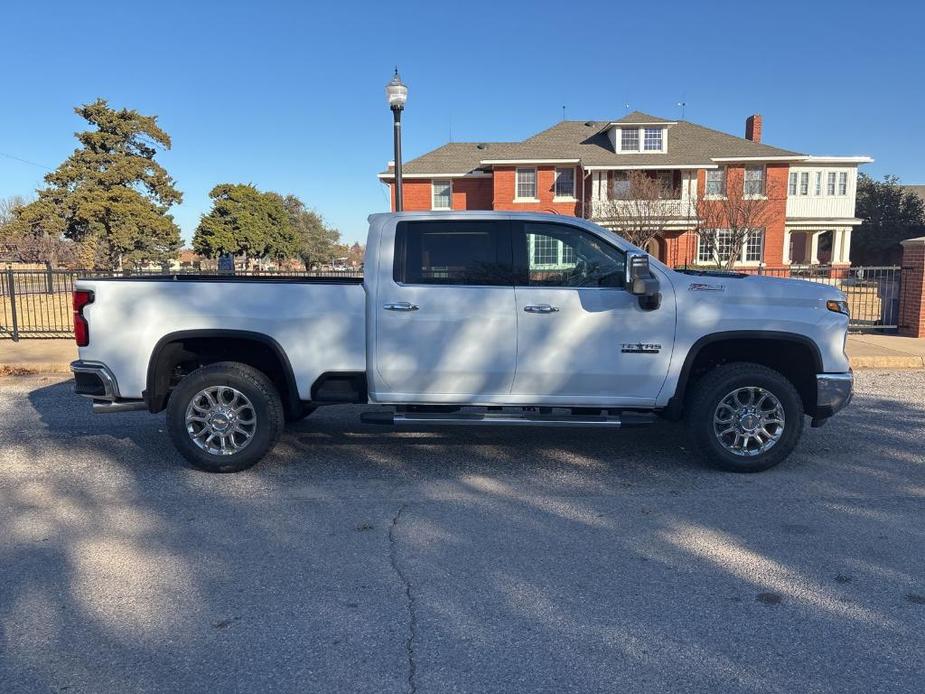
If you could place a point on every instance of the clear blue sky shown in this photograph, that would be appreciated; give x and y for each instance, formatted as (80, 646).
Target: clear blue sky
(289, 95)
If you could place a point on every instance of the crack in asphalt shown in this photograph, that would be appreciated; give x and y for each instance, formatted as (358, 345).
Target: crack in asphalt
(409, 600)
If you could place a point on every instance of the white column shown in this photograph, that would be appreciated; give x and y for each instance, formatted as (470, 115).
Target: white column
(814, 247)
(837, 236)
(846, 248)
(786, 255)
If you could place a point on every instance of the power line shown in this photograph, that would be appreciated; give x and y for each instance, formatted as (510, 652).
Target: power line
(25, 161)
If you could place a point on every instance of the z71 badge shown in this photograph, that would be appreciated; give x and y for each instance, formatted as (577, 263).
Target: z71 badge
(640, 348)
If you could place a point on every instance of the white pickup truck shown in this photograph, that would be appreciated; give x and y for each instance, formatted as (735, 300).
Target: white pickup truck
(474, 318)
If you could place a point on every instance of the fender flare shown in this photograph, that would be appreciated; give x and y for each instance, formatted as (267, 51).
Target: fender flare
(156, 383)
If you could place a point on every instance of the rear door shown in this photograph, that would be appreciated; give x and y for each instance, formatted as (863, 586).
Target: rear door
(446, 323)
(582, 338)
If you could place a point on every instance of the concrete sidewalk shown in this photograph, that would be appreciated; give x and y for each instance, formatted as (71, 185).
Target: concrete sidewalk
(865, 351)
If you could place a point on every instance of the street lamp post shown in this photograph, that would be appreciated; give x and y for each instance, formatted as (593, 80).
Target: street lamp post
(397, 94)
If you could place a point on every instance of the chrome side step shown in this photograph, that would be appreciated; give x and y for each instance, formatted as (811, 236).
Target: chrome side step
(410, 419)
(108, 406)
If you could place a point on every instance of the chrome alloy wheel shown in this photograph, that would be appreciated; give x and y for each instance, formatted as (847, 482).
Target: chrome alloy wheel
(748, 421)
(221, 420)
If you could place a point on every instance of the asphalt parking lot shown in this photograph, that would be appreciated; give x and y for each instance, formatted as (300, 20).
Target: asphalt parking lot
(362, 560)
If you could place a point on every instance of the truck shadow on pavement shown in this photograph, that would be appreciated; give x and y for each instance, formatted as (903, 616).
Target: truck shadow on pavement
(358, 559)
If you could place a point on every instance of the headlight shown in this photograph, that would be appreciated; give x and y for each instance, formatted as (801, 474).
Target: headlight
(838, 306)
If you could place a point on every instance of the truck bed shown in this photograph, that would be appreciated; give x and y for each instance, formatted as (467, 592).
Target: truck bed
(318, 322)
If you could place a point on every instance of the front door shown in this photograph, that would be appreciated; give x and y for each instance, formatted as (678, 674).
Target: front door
(446, 324)
(581, 337)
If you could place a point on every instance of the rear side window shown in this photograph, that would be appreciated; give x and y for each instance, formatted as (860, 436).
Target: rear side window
(474, 253)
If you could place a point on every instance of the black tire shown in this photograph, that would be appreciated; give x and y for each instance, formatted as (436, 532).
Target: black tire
(303, 411)
(712, 388)
(267, 411)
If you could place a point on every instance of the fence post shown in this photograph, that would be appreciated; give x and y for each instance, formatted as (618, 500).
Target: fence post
(912, 289)
(11, 285)
(49, 279)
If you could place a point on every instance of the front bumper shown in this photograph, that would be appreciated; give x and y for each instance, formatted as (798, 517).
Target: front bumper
(833, 393)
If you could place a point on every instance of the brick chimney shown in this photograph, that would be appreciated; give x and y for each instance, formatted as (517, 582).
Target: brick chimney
(753, 128)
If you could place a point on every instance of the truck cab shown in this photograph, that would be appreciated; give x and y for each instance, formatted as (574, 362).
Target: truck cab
(476, 318)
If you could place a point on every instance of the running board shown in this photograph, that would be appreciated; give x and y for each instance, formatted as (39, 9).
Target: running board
(410, 419)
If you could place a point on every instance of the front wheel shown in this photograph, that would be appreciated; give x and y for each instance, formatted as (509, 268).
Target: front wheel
(744, 417)
(224, 417)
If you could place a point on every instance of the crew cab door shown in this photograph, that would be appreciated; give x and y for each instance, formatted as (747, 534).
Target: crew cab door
(445, 321)
(581, 337)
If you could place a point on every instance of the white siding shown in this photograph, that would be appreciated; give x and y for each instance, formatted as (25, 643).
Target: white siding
(823, 206)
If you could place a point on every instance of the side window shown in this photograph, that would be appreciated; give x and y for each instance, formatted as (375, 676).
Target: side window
(558, 255)
(453, 252)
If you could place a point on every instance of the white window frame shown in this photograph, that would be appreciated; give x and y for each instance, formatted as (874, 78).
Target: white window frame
(433, 193)
(842, 183)
(804, 183)
(706, 184)
(536, 183)
(741, 261)
(818, 189)
(555, 189)
(830, 183)
(643, 132)
(641, 139)
(764, 181)
(792, 184)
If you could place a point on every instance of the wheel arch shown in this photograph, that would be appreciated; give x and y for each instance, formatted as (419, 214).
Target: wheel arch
(796, 356)
(206, 346)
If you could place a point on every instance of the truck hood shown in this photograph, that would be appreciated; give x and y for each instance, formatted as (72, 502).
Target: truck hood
(741, 286)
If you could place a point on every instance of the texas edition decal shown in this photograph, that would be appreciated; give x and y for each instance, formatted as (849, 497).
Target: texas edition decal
(640, 348)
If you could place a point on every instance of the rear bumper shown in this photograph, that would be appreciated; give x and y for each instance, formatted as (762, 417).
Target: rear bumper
(833, 393)
(94, 380)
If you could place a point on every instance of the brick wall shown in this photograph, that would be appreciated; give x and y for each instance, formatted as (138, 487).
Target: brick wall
(912, 292)
(468, 194)
(504, 189)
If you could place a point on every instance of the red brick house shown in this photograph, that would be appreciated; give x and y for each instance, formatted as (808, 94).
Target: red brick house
(574, 167)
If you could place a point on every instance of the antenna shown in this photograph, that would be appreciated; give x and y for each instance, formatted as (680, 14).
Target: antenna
(627, 106)
(563, 113)
(682, 105)
(451, 127)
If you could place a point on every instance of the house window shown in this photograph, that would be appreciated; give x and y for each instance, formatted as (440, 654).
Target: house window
(804, 183)
(792, 188)
(565, 183)
(653, 140)
(754, 180)
(754, 245)
(818, 183)
(620, 187)
(526, 184)
(830, 184)
(629, 140)
(545, 250)
(721, 249)
(716, 182)
(843, 183)
(442, 195)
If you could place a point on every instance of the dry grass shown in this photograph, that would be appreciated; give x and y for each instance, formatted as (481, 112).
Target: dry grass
(37, 313)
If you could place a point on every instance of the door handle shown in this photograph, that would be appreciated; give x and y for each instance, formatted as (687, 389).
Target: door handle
(541, 308)
(401, 306)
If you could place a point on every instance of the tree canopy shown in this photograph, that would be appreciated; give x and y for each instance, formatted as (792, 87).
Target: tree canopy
(891, 214)
(110, 195)
(317, 243)
(245, 221)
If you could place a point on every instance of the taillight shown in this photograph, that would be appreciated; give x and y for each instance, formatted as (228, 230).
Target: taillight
(81, 328)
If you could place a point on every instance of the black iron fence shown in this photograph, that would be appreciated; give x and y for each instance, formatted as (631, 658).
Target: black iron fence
(37, 303)
(872, 293)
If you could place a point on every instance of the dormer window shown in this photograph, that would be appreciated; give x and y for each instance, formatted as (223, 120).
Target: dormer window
(653, 140)
(629, 140)
(634, 139)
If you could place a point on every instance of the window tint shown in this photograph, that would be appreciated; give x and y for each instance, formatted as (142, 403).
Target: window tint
(557, 255)
(453, 252)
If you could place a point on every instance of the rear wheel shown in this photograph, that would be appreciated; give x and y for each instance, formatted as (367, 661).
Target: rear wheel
(224, 417)
(744, 417)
